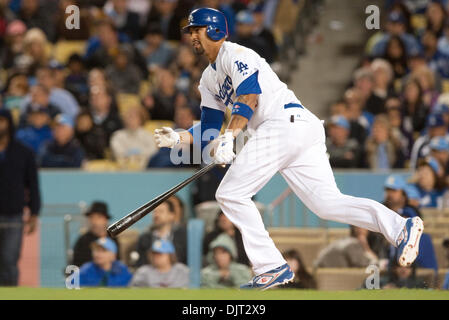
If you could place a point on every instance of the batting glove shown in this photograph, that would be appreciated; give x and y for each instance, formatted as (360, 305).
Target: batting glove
(225, 150)
(166, 137)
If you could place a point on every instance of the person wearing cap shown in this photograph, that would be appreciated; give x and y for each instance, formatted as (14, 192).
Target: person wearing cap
(39, 100)
(154, 48)
(223, 271)
(162, 269)
(19, 189)
(97, 219)
(413, 196)
(163, 228)
(398, 195)
(343, 151)
(245, 36)
(104, 270)
(439, 149)
(396, 26)
(37, 131)
(63, 151)
(436, 127)
(430, 182)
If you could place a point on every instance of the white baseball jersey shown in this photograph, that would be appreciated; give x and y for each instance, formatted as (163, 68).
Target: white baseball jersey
(220, 82)
(295, 149)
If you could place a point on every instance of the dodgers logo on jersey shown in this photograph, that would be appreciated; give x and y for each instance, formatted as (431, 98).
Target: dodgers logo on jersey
(226, 91)
(241, 67)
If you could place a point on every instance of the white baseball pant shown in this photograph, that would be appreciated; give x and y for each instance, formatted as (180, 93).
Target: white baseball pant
(297, 150)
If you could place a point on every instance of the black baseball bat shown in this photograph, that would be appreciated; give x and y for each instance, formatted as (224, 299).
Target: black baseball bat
(124, 223)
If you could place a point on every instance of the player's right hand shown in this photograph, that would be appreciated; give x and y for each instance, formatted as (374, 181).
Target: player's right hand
(166, 137)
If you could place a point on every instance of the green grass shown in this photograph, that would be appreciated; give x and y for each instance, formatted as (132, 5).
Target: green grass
(209, 294)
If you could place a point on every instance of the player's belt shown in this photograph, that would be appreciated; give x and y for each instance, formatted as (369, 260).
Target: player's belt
(293, 105)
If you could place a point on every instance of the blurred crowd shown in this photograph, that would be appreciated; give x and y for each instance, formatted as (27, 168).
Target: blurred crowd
(128, 64)
(395, 112)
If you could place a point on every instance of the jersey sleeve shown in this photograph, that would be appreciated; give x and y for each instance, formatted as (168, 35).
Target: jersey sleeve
(243, 69)
(208, 99)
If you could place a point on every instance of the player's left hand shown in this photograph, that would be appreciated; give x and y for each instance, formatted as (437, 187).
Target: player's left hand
(225, 150)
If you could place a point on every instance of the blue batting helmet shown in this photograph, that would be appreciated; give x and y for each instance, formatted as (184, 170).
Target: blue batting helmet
(214, 20)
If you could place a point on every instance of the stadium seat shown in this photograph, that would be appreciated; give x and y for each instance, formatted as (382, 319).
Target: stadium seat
(440, 253)
(340, 278)
(100, 165)
(445, 86)
(418, 22)
(441, 276)
(63, 49)
(428, 276)
(128, 242)
(308, 248)
(126, 101)
(152, 125)
(306, 233)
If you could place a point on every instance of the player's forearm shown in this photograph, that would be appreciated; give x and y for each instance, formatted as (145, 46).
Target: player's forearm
(238, 122)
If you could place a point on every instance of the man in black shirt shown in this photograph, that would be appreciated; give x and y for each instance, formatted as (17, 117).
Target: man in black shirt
(19, 188)
(98, 218)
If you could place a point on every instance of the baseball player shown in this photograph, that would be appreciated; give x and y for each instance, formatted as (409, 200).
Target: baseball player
(285, 137)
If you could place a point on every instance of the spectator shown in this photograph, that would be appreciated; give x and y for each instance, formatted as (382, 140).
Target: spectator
(97, 219)
(436, 127)
(104, 113)
(396, 55)
(427, 81)
(383, 80)
(187, 68)
(96, 80)
(360, 121)
(163, 228)
(413, 196)
(439, 149)
(401, 277)
(261, 31)
(303, 279)
(35, 16)
(156, 51)
(344, 152)
(133, 146)
(76, 79)
(364, 82)
(161, 102)
(228, 8)
(19, 188)
(63, 151)
(396, 28)
(398, 130)
(59, 97)
(165, 13)
(124, 20)
(179, 208)
(91, 136)
(39, 100)
(351, 252)
(103, 48)
(435, 58)
(104, 270)
(430, 182)
(443, 42)
(162, 269)
(415, 111)
(37, 131)
(436, 16)
(35, 54)
(123, 74)
(383, 151)
(245, 36)
(223, 225)
(223, 271)
(15, 91)
(13, 44)
(396, 199)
